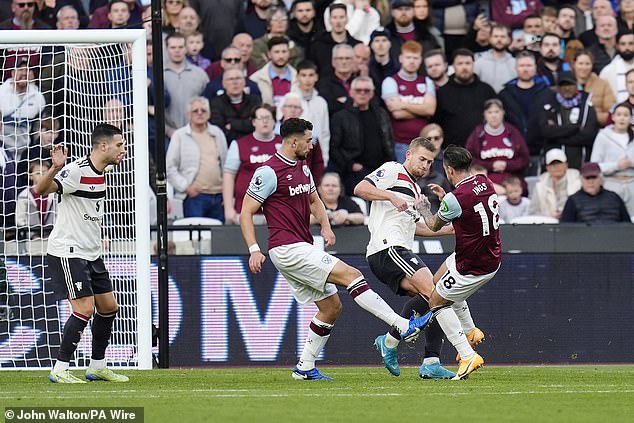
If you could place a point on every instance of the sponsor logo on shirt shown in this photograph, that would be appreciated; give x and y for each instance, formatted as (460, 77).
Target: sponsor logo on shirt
(299, 189)
(259, 158)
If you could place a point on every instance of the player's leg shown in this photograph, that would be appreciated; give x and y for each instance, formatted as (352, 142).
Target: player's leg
(461, 308)
(318, 334)
(70, 278)
(103, 319)
(453, 287)
(353, 280)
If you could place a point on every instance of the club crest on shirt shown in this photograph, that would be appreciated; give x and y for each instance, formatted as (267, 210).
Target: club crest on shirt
(444, 207)
(255, 148)
(306, 170)
(507, 142)
(326, 260)
(422, 88)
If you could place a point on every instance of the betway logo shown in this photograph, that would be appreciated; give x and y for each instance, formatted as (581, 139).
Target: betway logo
(299, 189)
(259, 158)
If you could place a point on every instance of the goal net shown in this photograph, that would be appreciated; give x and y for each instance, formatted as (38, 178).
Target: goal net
(56, 87)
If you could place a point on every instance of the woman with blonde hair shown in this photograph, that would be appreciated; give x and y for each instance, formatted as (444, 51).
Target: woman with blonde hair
(171, 10)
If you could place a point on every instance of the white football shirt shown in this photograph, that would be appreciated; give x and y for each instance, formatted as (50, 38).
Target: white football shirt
(81, 194)
(388, 226)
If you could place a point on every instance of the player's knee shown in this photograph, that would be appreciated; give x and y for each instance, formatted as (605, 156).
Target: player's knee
(353, 274)
(108, 311)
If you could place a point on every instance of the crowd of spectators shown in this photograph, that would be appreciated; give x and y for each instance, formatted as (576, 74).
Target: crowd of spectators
(540, 92)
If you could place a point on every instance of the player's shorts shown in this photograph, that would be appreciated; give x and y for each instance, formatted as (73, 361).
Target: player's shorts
(306, 269)
(456, 287)
(76, 278)
(391, 265)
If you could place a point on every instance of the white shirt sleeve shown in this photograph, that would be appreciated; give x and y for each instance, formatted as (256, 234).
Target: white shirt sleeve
(385, 176)
(68, 178)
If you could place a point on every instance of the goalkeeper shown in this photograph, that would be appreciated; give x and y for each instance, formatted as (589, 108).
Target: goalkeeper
(74, 251)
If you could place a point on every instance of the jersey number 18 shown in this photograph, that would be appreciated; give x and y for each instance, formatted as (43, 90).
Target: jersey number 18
(494, 208)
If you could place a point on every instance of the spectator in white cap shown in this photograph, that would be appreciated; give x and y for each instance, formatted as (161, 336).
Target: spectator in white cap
(550, 193)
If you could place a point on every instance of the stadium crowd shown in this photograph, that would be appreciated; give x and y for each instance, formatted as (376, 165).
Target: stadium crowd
(540, 92)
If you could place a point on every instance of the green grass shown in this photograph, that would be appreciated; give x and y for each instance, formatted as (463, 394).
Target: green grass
(603, 394)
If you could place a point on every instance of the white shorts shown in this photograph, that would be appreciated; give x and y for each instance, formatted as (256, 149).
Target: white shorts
(306, 269)
(455, 287)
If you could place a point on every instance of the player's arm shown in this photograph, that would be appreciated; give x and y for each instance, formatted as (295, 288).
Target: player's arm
(47, 184)
(262, 185)
(366, 190)
(423, 230)
(449, 210)
(318, 210)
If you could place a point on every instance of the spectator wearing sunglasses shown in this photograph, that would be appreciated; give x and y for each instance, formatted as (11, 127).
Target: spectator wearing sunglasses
(23, 17)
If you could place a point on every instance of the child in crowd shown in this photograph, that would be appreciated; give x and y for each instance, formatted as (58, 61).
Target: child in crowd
(34, 213)
(195, 44)
(514, 205)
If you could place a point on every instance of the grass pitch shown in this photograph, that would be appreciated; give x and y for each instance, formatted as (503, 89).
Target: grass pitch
(358, 394)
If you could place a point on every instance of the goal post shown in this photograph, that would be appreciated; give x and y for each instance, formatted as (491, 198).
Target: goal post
(30, 324)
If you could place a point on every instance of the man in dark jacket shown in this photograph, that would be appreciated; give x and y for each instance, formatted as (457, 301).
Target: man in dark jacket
(320, 51)
(518, 97)
(567, 120)
(404, 27)
(360, 136)
(460, 103)
(231, 110)
(592, 203)
(335, 87)
(303, 25)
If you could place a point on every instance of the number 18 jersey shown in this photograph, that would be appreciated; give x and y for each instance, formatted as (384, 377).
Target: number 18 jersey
(473, 209)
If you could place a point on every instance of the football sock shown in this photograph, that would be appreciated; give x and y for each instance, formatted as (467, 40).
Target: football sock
(101, 331)
(370, 301)
(433, 339)
(72, 334)
(318, 334)
(431, 360)
(415, 304)
(464, 315)
(451, 326)
(391, 341)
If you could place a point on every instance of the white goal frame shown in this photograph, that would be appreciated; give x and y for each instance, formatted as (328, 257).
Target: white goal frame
(138, 39)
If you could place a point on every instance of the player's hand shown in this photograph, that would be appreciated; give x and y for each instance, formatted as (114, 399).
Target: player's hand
(438, 190)
(329, 237)
(398, 202)
(59, 154)
(256, 260)
(422, 204)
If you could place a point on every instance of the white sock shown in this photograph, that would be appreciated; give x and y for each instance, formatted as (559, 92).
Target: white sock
(464, 315)
(450, 324)
(431, 360)
(390, 341)
(60, 366)
(97, 364)
(373, 303)
(318, 335)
